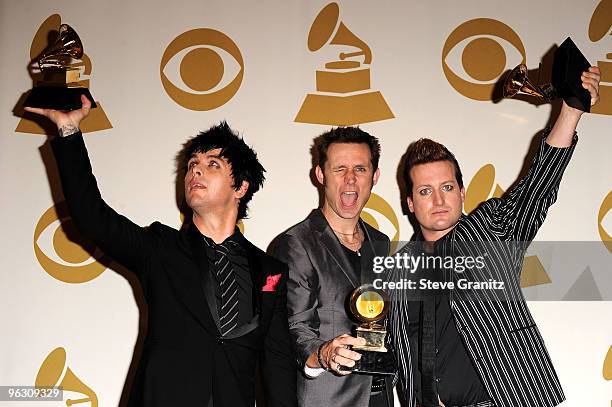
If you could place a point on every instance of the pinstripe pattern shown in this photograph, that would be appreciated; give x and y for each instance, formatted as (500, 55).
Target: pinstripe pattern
(228, 313)
(501, 337)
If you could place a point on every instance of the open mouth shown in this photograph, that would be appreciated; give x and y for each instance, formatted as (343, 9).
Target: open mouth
(349, 198)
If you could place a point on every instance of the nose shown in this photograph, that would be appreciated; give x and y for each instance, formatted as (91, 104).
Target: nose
(438, 198)
(350, 177)
(196, 170)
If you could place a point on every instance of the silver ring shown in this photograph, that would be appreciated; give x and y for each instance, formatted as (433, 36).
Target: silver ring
(333, 358)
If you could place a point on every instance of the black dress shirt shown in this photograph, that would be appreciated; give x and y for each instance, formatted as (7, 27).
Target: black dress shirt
(453, 374)
(240, 265)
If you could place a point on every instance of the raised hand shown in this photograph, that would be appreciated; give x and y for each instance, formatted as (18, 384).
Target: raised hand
(66, 122)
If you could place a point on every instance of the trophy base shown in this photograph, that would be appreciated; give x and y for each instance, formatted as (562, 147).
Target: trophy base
(58, 97)
(568, 65)
(373, 363)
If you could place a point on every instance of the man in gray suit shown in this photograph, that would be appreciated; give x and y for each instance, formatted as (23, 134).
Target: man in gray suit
(329, 254)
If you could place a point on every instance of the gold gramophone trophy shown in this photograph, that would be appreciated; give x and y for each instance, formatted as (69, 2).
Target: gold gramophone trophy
(370, 305)
(59, 88)
(568, 65)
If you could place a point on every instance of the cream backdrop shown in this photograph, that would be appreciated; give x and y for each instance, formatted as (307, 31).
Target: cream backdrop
(59, 311)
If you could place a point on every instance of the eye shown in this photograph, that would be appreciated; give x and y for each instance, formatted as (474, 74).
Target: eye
(447, 187)
(476, 54)
(361, 169)
(209, 73)
(191, 164)
(424, 191)
(61, 251)
(214, 164)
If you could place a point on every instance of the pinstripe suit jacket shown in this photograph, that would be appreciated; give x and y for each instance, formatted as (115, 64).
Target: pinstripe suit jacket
(500, 337)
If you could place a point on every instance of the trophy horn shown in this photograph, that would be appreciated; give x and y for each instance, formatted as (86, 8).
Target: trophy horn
(327, 26)
(51, 371)
(67, 46)
(518, 83)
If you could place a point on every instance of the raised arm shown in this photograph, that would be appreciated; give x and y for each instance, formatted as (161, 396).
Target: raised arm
(116, 235)
(563, 131)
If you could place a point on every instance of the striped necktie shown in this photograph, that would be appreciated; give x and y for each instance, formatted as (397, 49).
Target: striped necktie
(228, 287)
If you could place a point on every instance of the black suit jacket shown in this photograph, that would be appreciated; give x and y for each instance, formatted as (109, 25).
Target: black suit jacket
(185, 360)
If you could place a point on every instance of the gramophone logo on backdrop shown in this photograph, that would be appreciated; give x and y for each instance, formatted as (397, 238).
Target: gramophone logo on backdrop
(54, 372)
(202, 69)
(604, 210)
(600, 27)
(479, 190)
(344, 95)
(388, 223)
(46, 35)
(60, 250)
(483, 58)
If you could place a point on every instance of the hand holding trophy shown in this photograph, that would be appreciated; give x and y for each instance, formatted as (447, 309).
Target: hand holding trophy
(59, 88)
(566, 83)
(370, 305)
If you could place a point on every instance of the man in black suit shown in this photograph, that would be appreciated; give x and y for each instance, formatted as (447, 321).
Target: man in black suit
(217, 304)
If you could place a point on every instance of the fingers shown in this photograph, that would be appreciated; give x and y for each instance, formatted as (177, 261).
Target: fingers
(36, 110)
(590, 81)
(86, 105)
(338, 353)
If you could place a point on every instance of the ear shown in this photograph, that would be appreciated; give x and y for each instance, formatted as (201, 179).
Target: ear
(410, 204)
(376, 176)
(242, 190)
(320, 175)
(462, 195)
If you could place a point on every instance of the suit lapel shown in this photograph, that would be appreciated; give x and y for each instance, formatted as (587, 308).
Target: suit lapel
(195, 288)
(257, 277)
(329, 240)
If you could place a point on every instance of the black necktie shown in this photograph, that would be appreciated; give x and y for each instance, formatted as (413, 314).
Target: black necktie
(228, 287)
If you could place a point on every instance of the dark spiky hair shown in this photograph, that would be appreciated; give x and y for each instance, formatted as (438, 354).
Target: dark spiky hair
(348, 135)
(425, 151)
(243, 160)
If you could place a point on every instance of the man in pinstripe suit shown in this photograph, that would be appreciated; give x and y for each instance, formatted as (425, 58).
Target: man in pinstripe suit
(453, 350)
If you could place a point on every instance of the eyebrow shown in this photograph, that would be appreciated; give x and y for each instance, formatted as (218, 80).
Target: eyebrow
(443, 182)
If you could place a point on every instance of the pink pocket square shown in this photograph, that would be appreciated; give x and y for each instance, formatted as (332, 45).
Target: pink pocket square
(271, 282)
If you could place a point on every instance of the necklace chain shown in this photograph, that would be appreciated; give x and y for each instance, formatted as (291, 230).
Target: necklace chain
(354, 244)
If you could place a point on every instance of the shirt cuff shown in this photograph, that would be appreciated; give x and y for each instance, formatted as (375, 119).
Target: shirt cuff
(313, 372)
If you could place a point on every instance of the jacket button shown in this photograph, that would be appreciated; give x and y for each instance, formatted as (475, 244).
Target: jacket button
(220, 341)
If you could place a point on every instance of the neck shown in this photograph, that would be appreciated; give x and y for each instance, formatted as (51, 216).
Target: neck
(434, 235)
(338, 224)
(218, 228)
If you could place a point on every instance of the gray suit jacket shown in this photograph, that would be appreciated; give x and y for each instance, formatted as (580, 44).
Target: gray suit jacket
(320, 281)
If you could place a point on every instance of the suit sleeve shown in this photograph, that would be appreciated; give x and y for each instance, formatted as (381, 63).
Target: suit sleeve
(116, 235)
(302, 296)
(279, 367)
(519, 215)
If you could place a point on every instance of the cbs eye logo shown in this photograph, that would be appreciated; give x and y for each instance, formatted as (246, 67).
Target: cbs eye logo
(61, 252)
(485, 43)
(380, 215)
(201, 69)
